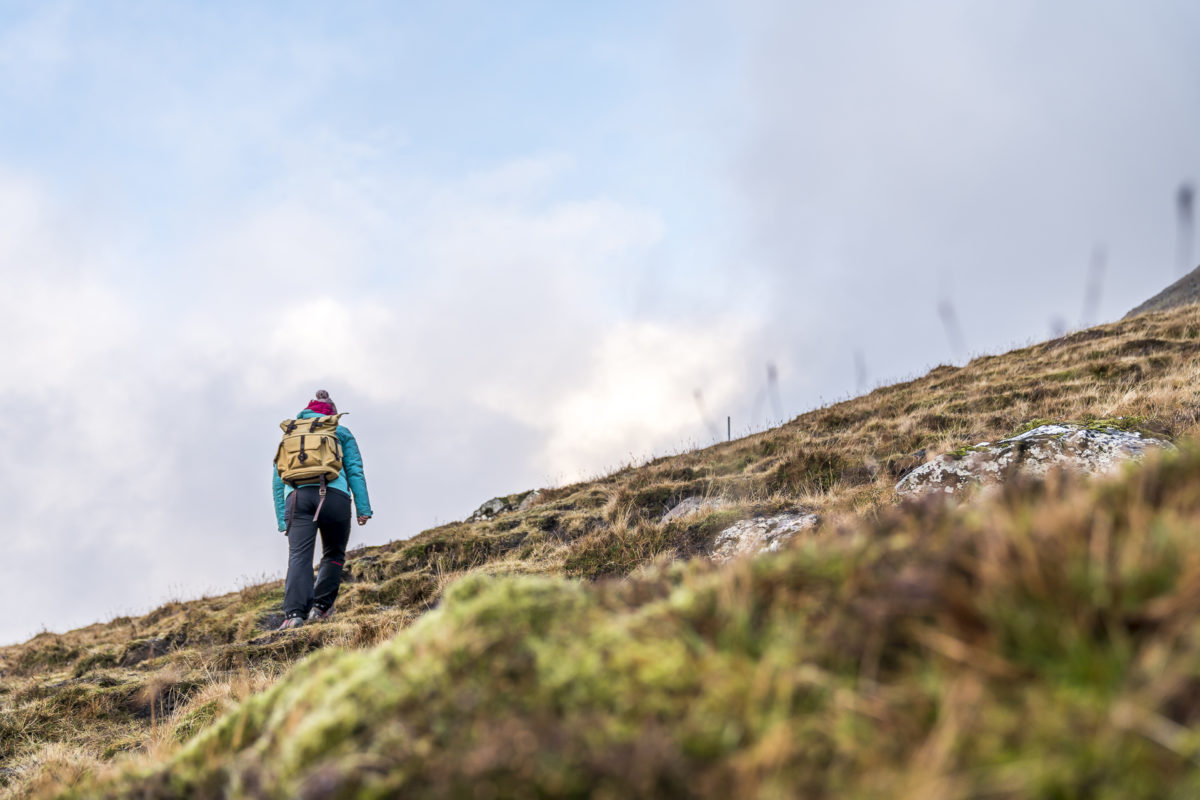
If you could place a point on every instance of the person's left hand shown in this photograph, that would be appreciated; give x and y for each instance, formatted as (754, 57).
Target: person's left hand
(362, 520)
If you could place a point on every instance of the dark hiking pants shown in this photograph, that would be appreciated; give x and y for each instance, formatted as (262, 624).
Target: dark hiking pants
(299, 595)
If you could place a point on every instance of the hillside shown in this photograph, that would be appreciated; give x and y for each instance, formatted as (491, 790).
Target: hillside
(1182, 292)
(1037, 644)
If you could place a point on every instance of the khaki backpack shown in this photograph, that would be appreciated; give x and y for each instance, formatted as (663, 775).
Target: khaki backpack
(310, 451)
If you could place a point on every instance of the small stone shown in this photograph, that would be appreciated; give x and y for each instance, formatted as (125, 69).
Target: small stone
(693, 505)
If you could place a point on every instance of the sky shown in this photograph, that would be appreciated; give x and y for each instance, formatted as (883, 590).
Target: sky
(524, 244)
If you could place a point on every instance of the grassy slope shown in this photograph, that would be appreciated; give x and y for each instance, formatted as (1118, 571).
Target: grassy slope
(800, 670)
(1044, 645)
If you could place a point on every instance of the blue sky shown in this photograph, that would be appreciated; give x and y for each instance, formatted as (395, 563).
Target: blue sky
(187, 102)
(514, 239)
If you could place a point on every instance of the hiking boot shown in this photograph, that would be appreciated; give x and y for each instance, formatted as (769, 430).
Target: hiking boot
(320, 614)
(291, 622)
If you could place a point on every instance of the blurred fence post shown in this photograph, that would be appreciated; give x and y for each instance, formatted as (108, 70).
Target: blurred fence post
(1185, 207)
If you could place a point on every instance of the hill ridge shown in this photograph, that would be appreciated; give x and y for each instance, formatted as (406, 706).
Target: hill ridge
(1182, 292)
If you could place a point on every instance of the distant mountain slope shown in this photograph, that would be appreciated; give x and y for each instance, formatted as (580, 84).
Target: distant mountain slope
(1182, 292)
(137, 693)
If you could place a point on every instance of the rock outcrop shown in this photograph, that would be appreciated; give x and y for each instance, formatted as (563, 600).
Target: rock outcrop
(502, 505)
(749, 537)
(1090, 449)
(760, 535)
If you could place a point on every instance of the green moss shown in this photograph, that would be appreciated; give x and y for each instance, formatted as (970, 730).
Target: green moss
(268, 599)
(1131, 423)
(825, 671)
(194, 721)
(1034, 423)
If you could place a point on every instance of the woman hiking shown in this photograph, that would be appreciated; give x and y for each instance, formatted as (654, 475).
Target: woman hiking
(317, 468)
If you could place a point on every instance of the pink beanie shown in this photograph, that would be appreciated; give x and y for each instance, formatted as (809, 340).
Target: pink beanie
(323, 404)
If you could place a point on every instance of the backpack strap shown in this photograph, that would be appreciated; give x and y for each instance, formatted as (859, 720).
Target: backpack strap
(320, 502)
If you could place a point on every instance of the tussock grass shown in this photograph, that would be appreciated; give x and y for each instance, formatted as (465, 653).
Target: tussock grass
(138, 687)
(1044, 643)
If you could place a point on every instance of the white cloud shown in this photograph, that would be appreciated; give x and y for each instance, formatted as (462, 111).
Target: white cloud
(636, 397)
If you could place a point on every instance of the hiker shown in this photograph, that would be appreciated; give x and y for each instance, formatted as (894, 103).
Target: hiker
(317, 468)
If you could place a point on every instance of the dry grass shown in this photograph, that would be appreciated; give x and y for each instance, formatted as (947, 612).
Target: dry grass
(1044, 643)
(72, 701)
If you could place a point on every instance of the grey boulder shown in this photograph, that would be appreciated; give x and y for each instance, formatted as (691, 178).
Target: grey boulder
(1087, 449)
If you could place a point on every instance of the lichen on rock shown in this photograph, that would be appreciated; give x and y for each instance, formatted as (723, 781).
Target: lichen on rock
(1089, 449)
(760, 535)
(503, 505)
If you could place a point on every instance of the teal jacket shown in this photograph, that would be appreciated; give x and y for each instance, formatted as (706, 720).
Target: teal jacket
(351, 480)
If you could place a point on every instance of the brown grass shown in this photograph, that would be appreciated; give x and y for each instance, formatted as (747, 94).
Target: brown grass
(71, 701)
(1040, 643)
